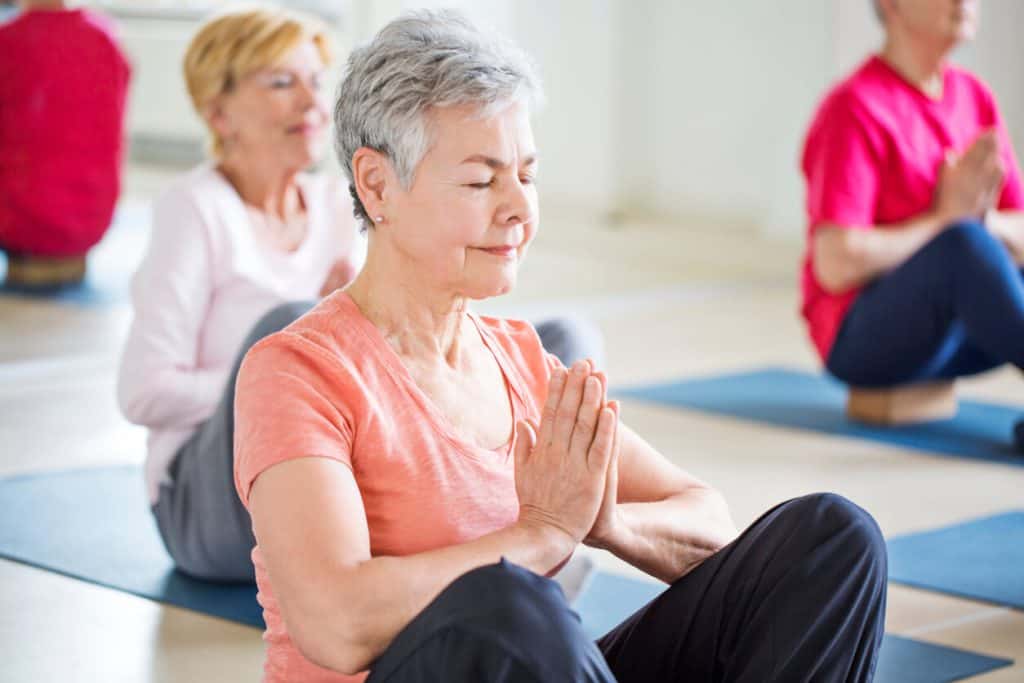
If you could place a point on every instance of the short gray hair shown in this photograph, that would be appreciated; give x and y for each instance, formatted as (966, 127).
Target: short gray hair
(421, 60)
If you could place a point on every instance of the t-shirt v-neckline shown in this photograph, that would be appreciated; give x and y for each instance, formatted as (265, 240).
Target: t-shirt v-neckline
(932, 102)
(401, 374)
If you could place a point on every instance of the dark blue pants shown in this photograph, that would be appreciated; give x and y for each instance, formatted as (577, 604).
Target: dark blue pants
(799, 596)
(954, 308)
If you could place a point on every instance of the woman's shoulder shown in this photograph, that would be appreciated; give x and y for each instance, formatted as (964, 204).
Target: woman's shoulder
(326, 341)
(201, 183)
(199, 201)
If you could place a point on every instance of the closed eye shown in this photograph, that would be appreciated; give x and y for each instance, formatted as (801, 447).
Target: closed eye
(282, 81)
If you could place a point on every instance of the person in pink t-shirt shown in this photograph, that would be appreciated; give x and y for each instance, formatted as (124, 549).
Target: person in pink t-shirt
(415, 472)
(63, 86)
(914, 207)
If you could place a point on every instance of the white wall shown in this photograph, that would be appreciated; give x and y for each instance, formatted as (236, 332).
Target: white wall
(721, 93)
(686, 109)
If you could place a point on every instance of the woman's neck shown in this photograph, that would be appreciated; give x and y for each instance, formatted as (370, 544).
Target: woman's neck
(275, 192)
(44, 5)
(920, 65)
(417, 322)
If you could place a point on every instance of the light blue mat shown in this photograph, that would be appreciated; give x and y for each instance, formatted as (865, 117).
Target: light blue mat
(111, 263)
(95, 525)
(982, 559)
(790, 398)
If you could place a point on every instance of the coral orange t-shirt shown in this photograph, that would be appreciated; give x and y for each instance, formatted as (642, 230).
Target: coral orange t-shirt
(330, 386)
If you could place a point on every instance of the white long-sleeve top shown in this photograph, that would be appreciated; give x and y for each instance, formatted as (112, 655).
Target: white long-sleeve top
(204, 282)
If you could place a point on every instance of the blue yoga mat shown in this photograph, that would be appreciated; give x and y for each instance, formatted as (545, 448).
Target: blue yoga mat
(982, 559)
(111, 263)
(789, 398)
(95, 525)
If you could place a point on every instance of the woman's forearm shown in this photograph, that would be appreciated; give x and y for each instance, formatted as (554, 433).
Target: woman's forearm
(368, 605)
(848, 257)
(166, 396)
(669, 538)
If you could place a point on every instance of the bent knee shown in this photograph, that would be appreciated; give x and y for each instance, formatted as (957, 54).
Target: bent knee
(504, 607)
(504, 586)
(833, 517)
(967, 237)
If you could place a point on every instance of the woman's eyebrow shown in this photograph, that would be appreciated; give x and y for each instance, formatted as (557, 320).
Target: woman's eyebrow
(496, 163)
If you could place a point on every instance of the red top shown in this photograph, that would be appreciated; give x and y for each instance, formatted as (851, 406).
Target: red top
(872, 158)
(63, 84)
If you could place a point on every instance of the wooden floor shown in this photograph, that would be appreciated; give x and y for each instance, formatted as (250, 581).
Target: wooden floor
(673, 301)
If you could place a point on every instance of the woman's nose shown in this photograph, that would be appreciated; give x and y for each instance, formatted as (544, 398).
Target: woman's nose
(307, 96)
(518, 204)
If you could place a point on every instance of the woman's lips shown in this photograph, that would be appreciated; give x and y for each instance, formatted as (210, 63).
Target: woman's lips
(306, 129)
(503, 252)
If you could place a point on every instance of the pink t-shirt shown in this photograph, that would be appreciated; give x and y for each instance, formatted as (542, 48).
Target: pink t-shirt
(872, 158)
(330, 386)
(63, 85)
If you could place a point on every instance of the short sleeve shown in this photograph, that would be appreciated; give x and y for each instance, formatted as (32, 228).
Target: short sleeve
(287, 406)
(842, 167)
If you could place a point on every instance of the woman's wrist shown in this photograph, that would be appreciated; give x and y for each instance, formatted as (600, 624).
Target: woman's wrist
(546, 544)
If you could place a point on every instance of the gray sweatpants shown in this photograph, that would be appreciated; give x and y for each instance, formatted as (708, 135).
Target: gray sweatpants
(204, 525)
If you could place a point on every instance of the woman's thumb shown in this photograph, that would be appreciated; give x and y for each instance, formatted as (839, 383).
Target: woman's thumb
(525, 440)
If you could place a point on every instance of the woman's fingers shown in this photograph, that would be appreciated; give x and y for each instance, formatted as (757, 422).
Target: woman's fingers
(526, 440)
(604, 385)
(569, 406)
(586, 419)
(604, 441)
(556, 385)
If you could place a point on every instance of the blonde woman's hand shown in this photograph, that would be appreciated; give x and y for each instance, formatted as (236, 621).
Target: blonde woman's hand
(562, 463)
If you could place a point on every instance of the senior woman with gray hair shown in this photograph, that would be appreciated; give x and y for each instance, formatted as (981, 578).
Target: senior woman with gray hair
(242, 245)
(415, 471)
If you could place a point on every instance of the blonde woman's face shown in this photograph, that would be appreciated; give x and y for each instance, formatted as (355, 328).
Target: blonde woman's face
(277, 115)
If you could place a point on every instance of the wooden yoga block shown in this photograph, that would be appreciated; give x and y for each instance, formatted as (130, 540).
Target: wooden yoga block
(36, 272)
(905, 404)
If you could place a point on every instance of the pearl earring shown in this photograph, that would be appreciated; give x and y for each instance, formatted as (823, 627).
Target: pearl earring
(379, 219)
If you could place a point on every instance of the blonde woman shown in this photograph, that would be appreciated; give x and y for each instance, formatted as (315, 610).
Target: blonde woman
(240, 246)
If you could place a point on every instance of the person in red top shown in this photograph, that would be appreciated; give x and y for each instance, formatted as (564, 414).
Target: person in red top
(63, 84)
(914, 200)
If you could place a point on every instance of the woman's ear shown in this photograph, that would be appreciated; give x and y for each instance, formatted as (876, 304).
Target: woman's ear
(217, 118)
(371, 173)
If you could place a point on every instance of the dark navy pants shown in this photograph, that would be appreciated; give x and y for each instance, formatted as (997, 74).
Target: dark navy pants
(799, 596)
(954, 308)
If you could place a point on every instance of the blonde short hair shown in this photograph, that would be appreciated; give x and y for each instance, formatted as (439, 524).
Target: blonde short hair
(233, 44)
